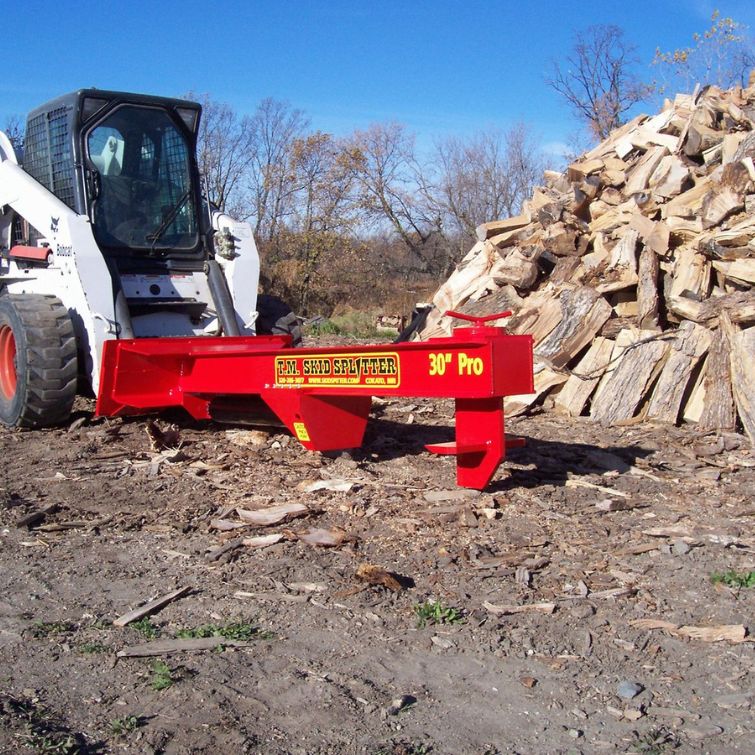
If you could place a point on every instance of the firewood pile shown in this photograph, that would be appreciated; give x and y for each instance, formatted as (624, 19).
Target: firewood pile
(634, 272)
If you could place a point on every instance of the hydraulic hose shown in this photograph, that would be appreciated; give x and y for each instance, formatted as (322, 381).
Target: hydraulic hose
(221, 297)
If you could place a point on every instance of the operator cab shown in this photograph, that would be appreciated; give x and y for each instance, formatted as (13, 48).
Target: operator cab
(127, 162)
(139, 182)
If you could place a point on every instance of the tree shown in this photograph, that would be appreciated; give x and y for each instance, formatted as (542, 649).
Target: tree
(597, 80)
(722, 55)
(14, 130)
(322, 217)
(224, 153)
(275, 127)
(482, 178)
(387, 177)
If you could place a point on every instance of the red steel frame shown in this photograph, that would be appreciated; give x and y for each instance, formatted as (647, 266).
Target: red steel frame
(324, 395)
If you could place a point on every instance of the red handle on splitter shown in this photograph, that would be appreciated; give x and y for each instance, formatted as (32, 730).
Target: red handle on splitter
(478, 319)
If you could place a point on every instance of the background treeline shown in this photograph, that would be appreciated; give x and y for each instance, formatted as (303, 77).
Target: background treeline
(361, 220)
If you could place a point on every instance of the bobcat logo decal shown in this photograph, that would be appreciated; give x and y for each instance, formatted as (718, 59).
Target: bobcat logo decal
(54, 224)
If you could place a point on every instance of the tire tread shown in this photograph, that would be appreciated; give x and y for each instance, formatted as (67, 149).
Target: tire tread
(51, 360)
(277, 319)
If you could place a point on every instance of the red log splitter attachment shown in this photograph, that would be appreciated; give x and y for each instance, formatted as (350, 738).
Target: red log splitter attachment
(324, 395)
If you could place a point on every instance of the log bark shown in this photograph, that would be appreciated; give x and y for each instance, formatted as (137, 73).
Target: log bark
(742, 269)
(486, 230)
(580, 170)
(691, 280)
(691, 344)
(564, 270)
(718, 401)
(583, 314)
(742, 350)
(515, 268)
(624, 254)
(577, 390)
(540, 315)
(700, 138)
(687, 205)
(625, 387)
(718, 205)
(670, 178)
(654, 234)
(647, 290)
(545, 379)
(639, 176)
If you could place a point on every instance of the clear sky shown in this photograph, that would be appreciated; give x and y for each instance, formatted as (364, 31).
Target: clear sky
(442, 67)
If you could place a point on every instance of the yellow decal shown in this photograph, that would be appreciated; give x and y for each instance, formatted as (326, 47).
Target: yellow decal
(469, 365)
(465, 364)
(376, 370)
(301, 431)
(438, 363)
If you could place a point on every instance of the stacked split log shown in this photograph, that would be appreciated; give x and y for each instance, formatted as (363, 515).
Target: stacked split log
(634, 272)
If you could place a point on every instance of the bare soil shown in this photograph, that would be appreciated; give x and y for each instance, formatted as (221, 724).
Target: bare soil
(341, 666)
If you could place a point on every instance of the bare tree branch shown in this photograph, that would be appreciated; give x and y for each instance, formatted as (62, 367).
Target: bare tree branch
(597, 80)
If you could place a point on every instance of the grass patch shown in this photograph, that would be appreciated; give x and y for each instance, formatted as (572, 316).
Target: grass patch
(42, 629)
(732, 578)
(35, 728)
(357, 324)
(405, 748)
(146, 629)
(322, 328)
(162, 676)
(90, 648)
(654, 742)
(50, 742)
(434, 612)
(119, 727)
(242, 631)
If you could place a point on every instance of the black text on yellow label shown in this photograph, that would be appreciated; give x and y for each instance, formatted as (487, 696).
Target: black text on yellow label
(334, 370)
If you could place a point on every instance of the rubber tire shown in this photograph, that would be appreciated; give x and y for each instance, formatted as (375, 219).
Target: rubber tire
(45, 365)
(276, 318)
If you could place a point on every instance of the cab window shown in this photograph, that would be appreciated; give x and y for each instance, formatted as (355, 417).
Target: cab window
(143, 197)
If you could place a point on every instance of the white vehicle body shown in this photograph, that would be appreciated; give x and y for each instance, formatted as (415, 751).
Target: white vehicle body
(66, 260)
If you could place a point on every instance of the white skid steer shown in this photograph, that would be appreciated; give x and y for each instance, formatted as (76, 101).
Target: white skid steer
(104, 234)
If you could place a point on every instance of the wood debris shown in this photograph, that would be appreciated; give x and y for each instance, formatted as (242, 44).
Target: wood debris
(735, 633)
(335, 485)
(577, 483)
(262, 541)
(546, 608)
(634, 272)
(375, 575)
(162, 440)
(37, 516)
(188, 645)
(272, 514)
(149, 608)
(325, 538)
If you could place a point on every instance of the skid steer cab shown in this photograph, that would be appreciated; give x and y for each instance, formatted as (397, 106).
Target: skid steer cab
(104, 234)
(116, 272)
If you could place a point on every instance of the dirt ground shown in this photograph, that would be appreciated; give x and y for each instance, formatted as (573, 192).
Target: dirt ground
(543, 598)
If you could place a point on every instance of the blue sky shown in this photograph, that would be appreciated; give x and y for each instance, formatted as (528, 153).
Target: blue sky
(443, 67)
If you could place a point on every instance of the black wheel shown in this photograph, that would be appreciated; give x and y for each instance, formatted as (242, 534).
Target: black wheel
(38, 365)
(277, 319)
